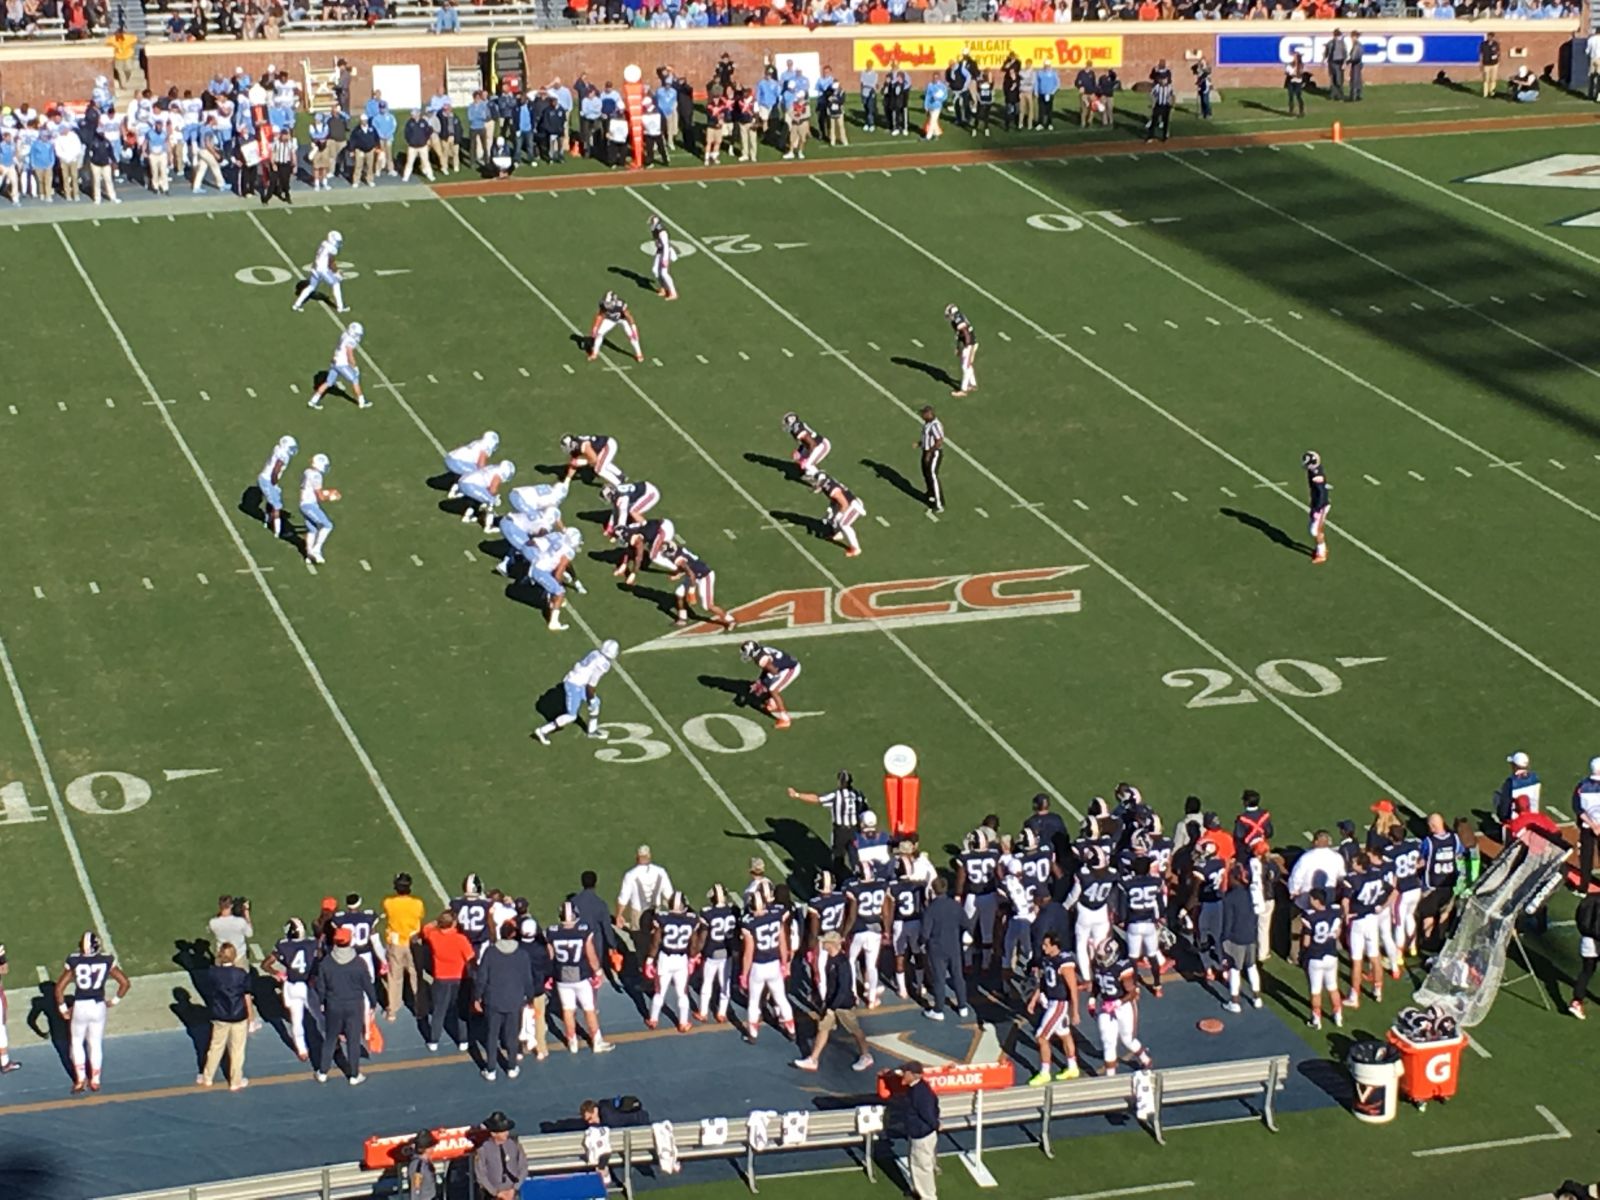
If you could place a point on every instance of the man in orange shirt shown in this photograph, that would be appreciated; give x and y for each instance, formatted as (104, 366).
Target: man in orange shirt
(450, 952)
(403, 913)
(1214, 834)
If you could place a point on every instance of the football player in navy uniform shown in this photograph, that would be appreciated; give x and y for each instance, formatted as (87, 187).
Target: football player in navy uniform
(778, 671)
(361, 922)
(908, 896)
(1317, 483)
(1097, 881)
(1368, 912)
(613, 312)
(717, 941)
(978, 889)
(630, 500)
(765, 965)
(472, 913)
(647, 542)
(869, 900)
(830, 911)
(1019, 907)
(672, 936)
(577, 973)
(1055, 1000)
(697, 586)
(1210, 877)
(291, 962)
(844, 510)
(596, 451)
(810, 447)
(966, 349)
(1141, 908)
(1320, 935)
(1116, 1005)
(88, 969)
(1403, 856)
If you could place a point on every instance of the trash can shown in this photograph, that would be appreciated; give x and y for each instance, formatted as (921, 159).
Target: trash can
(1429, 1070)
(1375, 1067)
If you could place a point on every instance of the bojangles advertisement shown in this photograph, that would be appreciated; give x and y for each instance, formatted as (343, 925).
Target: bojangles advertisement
(932, 54)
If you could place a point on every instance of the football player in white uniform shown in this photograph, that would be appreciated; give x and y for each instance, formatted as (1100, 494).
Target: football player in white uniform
(89, 970)
(580, 687)
(464, 460)
(343, 367)
(597, 451)
(312, 494)
(535, 497)
(844, 510)
(522, 530)
(270, 481)
(482, 489)
(662, 259)
(6, 1065)
(325, 270)
(810, 447)
(547, 569)
(613, 312)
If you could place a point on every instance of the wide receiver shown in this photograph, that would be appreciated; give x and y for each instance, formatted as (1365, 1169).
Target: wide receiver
(582, 685)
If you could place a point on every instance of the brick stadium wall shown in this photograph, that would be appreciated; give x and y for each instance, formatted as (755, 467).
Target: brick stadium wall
(38, 73)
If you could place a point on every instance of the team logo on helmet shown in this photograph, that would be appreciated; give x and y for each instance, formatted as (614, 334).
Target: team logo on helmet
(610, 298)
(1107, 952)
(294, 929)
(951, 312)
(678, 904)
(288, 445)
(824, 883)
(749, 650)
(1311, 460)
(569, 443)
(472, 886)
(319, 462)
(1028, 840)
(717, 895)
(791, 421)
(89, 943)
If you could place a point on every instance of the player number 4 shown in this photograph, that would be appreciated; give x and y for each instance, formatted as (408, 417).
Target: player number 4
(1303, 681)
(628, 742)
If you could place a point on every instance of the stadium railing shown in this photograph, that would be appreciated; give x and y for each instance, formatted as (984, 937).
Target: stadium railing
(1254, 1080)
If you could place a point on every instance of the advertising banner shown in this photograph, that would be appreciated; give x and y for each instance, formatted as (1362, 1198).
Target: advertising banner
(1380, 50)
(934, 53)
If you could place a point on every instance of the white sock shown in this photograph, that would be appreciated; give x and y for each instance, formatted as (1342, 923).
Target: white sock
(338, 296)
(850, 537)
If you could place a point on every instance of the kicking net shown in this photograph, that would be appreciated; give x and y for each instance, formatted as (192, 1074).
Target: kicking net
(1464, 979)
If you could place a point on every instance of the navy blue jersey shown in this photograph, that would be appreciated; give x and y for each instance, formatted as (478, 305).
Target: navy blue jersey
(766, 936)
(909, 897)
(297, 957)
(1037, 867)
(1095, 886)
(721, 923)
(1317, 482)
(778, 661)
(870, 896)
(472, 918)
(982, 869)
(1108, 980)
(1322, 931)
(360, 924)
(1367, 890)
(965, 334)
(90, 973)
(569, 951)
(1405, 860)
(1053, 977)
(693, 564)
(677, 931)
(1213, 879)
(1140, 898)
(830, 910)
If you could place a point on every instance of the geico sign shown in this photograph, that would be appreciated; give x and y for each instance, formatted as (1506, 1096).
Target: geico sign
(1396, 50)
(1437, 1068)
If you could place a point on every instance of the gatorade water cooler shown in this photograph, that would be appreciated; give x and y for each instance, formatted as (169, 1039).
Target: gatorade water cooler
(902, 790)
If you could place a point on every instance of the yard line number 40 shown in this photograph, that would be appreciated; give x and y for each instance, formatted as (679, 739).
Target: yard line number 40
(1287, 676)
(99, 793)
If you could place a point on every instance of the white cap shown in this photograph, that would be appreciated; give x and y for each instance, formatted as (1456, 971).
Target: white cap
(642, 852)
(1594, 766)
(869, 819)
(1520, 760)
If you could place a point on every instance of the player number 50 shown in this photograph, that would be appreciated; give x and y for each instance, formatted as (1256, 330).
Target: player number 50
(1287, 676)
(629, 742)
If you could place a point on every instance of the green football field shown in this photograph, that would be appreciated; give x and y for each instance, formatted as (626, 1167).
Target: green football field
(196, 711)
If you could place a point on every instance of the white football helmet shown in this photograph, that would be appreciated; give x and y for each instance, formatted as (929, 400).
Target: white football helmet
(472, 886)
(357, 330)
(491, 439)
(335, 238)
(1311, 460)
(506, 469)
(1107, 951)
(569, 443)
(610, 298)
(319, 462)
(288, 445)
(89, 943)
(749, 650)
(294, 929)
(610, 649)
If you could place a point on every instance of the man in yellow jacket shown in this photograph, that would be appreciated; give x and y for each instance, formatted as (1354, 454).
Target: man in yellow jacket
(403, 915)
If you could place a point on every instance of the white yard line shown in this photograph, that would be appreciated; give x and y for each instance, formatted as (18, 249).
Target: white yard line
(1565, 246)
(1558, 1133)
(1289, 339)
(1145, 1189)
(1386, 267)
(1226, 455)
(267, 593)
(788, 534)
(53, 793)
(1247, 677)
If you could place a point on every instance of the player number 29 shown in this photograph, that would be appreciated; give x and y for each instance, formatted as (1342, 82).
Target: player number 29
(1287, 676)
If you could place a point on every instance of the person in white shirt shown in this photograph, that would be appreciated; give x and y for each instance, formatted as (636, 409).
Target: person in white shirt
(69, 155)
(644, 887)
(1322, 866)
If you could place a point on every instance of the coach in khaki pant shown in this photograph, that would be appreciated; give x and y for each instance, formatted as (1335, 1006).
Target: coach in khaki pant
(363, 153)
(227, 987)
(403, 915)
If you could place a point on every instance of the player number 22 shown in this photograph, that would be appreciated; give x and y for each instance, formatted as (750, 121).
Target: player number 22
(1214, 684)
(629, 742)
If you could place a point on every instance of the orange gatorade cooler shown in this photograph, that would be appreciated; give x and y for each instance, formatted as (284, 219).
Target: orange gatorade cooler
(1428, 1070)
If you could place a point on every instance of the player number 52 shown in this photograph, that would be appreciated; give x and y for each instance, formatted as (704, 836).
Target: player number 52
(1287, 676)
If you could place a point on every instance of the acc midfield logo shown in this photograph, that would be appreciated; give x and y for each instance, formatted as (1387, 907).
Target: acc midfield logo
(1579, 172)
(936, 600)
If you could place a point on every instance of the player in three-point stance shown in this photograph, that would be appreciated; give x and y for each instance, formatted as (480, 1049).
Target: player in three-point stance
(844, 510)
(667, 963)
(966, 349)
(522, 531)
(1317, 482)
(580, 687)
(312, 495)
(343, 367)
(545, 570)
(1115, 1004)
(648, 542)
(778, 671)
(697, 585)
(270, 481)
(325, 269)
(482, 490)
(629, 499)
(613, 312)
(1053, 1000)
(464, 460)
(89, 969)
(661, 263)
(596, 451)
(810, 448)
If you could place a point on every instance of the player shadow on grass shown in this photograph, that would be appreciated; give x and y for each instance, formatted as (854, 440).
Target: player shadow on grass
(894, 479)
(1268, 529)
(664, 601)
(641, 281)
(333, 389)
(811, 525)
(783, 466)
(938, 374)
(44, 1020)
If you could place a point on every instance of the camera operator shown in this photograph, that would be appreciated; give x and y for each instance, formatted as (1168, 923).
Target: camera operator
(1202, 87)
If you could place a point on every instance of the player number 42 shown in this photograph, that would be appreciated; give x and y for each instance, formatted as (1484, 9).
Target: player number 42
(1287, 676)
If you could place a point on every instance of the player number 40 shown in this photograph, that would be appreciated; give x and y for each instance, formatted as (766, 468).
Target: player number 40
(1287, 676)
(629, 742)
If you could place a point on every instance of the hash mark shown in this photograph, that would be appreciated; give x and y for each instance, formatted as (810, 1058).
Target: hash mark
(94, 588)
(523, 371)
(1089, 331)
(916, 343)
(1181, 497)
(1464, 471)
(203, 580)
(365, 565)
(1580, 295)
(1537, 297)
(468, 554)
(1497, 299)
(204, 395)
(568, 368)
(1417, 477)
(1229, 492)
(882, 520)
(110, 403)
(251, 392)
(981, 513)
(788, 353)
(873, 346)
(1170, 324)
(704, 361)
(743, 356)
(1130, 327)
(1130, 500)
(62, 405)
(1336, 312)
(1374, 308)
(295, 388)
(478, 375)
(658, 362)
(435, 378)
(1558, 466)
(13, 407)
(148, 586)
(732, 536)
(416, 560)
(1372, 481)
(1003, 335)
(38, 592)
(927, 512)
(1418, 307)
(1080, 504)
(1296, 315)
(1212, 321)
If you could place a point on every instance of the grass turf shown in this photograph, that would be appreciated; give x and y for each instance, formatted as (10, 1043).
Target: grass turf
(1149, 385)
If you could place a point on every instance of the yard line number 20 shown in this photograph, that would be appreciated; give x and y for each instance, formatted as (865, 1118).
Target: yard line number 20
(1287, 676)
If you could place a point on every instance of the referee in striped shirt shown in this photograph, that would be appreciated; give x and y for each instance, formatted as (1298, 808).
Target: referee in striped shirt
(285, 158)
(932, 447)
(845, 806)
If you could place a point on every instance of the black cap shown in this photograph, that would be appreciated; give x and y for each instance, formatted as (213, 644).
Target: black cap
(1041, 802)
(1347, 826)
(498, 1122)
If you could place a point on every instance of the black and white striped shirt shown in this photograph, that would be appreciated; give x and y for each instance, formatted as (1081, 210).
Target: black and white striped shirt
(285, 150)
(932, 435)
(844, 806)
(1162, 95)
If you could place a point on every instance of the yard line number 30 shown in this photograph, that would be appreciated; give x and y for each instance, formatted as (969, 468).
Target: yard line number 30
(1287, 676)
(629, 742)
